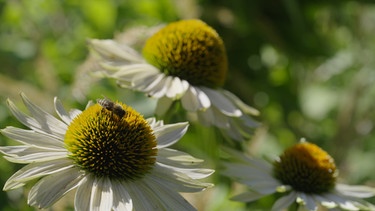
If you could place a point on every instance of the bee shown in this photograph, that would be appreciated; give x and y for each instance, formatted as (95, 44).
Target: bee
(111, 106)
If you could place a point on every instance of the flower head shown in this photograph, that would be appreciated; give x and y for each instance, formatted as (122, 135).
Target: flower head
(116, 159)
(305, 172)
(186, 61)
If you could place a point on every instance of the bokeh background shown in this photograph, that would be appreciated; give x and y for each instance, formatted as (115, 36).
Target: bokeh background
(307, 66)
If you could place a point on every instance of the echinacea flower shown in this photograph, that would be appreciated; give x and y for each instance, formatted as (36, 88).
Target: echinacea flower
(116, 159)
(304, 173)
(183, 62)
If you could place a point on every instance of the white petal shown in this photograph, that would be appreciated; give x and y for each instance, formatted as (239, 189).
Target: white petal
(111, 50)
(355, 191)
(176, 158)
(248, 196)
(47, 122)
(133, 72)
(195, 99)
(30, 137)
(176, 88)
(178, 181)
(244, 107)
(28, 154)
(63, 114)
(221, 102)
(159, 89)
(143, 198)
(163, 105)
(121, 198)
(343, 202)
(36, 170)
(194, 173)
(308, 201)
(83, 194)
(284, 201)
(169, 198)
(101, 195)
(51, 188)
(146, 82)
(170, 134)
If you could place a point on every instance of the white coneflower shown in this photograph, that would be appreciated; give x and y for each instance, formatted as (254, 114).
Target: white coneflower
(116, 159)
(186, 62)
(304, 173)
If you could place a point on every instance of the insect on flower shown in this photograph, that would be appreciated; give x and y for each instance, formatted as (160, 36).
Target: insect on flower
(111, 106)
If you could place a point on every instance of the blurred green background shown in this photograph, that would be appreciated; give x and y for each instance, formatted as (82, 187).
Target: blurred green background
(307, 66)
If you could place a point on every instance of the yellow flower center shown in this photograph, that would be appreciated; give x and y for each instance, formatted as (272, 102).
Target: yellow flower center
(190, 50)
(307, 168)
(111, 140)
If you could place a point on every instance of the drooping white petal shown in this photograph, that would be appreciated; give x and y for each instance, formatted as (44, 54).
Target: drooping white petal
(194, 173)
(51, 188)
(160, 88)
(176, 158)
(355, 190)
(36, 170)
(47, 122)
(133, 72)
(29, 154)
(122, 201)
(284, 201)
(176, 180)
(341, 201)
(221, 102)
(111, 50)
(308, 201)
(248, 196)
(177, 88)
(143, 198)
(163, 105)
(169, 199)
(63, 114)
(170, 134)
(241, 105)
(30, 137)
(101, 195)
(195, 99)
(83, 194)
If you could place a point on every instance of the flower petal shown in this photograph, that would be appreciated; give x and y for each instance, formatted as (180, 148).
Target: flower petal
(163, 105)
(221, 102)
(248, 196)
(63, 114)
(29, 154)
(284, 201)
(47, 122)
(308, 201)
(170, 199)
(36, 170)
(113, 51)
(51, 188)
(83, 194)
(355, 190)
(101, 195)
(30, 137)
(121, 198)
(195, 99)
(170, 134)
(176, 158)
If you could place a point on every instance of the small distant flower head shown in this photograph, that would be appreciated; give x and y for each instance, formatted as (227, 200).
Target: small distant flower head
(304, 173)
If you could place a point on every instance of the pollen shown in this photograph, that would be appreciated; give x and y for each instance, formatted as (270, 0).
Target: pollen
(190, 50)
(106, 144)
(306, 168)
